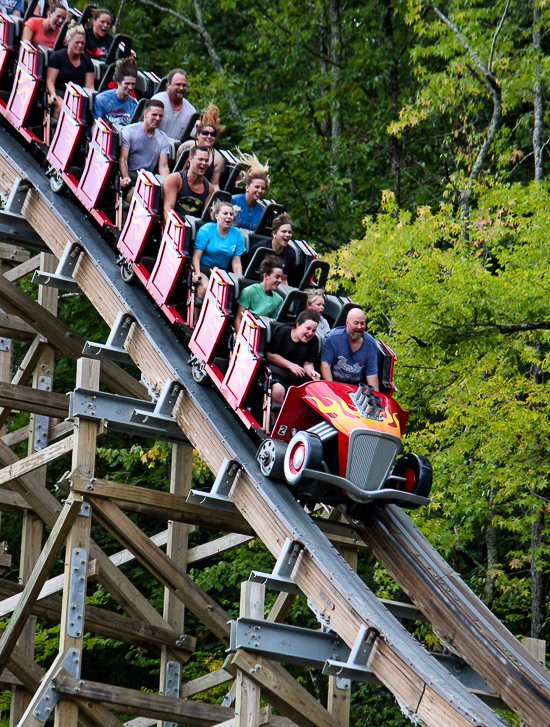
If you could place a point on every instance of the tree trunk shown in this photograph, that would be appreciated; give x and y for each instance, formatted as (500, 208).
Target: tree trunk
(393, 143)
(538, 93)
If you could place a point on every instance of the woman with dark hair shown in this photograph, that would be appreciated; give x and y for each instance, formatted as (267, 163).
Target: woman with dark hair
(255, 179)
(98, 40)
(44, 31)
(68, 64)
(281, 235)
(207, 132)
(294, 348)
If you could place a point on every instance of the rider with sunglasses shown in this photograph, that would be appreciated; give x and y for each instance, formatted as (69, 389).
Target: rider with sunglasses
(207, 132)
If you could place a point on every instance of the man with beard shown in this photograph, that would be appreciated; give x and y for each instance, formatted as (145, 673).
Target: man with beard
(350, 355)
(177, 109)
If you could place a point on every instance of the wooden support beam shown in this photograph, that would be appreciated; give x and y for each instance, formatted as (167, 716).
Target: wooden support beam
(247, 697)
(162, 567)
(25, 370)
(181, 482)
(23, 269)
(24, 398)
(11, 326)
(203, 684)
(56, 431)
(63, 339)
(281, 607)
(36, 460)
(109, 624)
(71, 637)
(13, 254)
(38, 577)
(297, 703)
(168, 506)
(145, 704)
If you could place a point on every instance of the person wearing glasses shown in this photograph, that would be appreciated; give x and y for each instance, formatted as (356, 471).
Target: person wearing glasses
(255, 180)
(177, 109)
(207, 132)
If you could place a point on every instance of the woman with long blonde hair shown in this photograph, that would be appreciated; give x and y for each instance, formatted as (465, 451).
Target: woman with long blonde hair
(255, 179)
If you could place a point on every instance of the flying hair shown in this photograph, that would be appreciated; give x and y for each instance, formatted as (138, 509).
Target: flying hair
(123, 68)
(253, 169)
(211, 117)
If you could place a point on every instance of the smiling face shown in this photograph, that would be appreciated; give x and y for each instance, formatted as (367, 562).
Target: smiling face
(57, 18)
(283, 235)
(207, 136)
(273, 280)
(101, 25)
(199, 163)
(152, 116)
(224, 216)
(255, 191)
(76, 45)
(355, 324)
(177, 88)
(306, 330)
(126, 86)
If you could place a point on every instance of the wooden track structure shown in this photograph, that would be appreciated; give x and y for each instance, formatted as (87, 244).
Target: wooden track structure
(427, 693)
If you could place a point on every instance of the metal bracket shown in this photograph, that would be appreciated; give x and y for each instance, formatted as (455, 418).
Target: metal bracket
(281, 578)
(218, 496)
(114, 349)
(14, 228)
(291, 644)
(162, 413)
(116, 413)
(63, 276)
(41, 421)
(77, 592)
(45, 706)
(354, 668)
(172, 685)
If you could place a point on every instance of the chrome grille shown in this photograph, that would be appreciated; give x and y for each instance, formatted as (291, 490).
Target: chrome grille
(370, 458)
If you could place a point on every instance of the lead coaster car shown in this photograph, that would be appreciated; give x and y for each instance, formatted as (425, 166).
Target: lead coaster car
(335, 442)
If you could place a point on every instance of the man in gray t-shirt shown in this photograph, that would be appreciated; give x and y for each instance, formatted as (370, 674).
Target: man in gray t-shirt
(143, 145)
(177, 109)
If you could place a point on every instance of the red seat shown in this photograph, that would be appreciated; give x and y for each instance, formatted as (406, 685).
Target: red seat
(28, 76)
(215, 313)
(141, 216)
(166, 276)
(71, 125)
(101, 160)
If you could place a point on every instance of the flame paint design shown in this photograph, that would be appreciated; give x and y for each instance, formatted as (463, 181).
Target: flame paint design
(346, 417)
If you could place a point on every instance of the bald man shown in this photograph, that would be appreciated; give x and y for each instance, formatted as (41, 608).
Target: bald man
(350, 355)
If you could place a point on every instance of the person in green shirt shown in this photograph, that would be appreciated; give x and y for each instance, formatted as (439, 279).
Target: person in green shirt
(262, 298)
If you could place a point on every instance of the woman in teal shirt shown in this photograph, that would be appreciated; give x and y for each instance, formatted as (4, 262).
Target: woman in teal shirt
(217, 245)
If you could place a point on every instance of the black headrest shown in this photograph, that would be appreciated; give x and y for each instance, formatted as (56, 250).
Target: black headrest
(161, 86)
(115, 51)
(218, 194)
(186, 133)
(268, 215)
(60, 41)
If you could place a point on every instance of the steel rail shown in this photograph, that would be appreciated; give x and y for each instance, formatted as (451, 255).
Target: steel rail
(424, 689)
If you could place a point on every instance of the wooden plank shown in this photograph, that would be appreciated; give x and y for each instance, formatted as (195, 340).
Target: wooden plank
(38, 577)
(12, 502)
(63, 339)
(13, 254)
(247, 691)
(105, 623)
(24, 398)
(215, 547)
(56, 431)
(297, 703)
(11, 326)
(25, 370)
(144, 704)
(23, 269)
(203, 684)
(162, 567)
(36, 460)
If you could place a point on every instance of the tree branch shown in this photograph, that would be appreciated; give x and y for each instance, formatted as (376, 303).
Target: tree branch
(495, 36)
